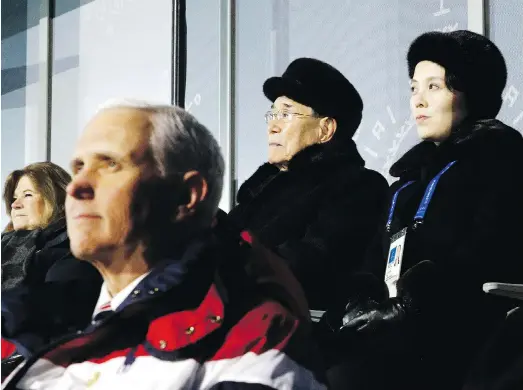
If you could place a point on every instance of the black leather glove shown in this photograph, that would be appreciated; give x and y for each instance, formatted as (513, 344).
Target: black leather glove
(361, 288)
(373, 316)
(416, 290)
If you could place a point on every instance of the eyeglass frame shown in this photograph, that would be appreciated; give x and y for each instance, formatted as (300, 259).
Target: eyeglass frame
(277, 115)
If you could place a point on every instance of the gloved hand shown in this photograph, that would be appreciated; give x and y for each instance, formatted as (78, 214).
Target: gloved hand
(360, 288)
(373, 316)
(416, 290)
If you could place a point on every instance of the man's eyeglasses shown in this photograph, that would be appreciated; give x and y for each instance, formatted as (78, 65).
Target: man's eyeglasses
(284, 115)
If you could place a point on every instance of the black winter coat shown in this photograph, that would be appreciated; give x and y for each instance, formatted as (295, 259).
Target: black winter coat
(320, 215)
(42, 255)
(473, 232)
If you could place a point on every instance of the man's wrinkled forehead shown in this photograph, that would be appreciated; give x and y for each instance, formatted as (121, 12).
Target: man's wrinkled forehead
(123, 132)
(286, 103)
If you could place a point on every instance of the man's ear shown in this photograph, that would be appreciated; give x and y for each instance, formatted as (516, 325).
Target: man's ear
(328, 128)
(197, 188)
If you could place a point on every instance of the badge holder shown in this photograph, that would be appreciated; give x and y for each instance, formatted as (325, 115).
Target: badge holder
(394, 261)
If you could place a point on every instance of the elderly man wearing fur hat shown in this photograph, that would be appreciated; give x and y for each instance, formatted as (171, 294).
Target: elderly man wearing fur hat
(313, 200)
(457, 210)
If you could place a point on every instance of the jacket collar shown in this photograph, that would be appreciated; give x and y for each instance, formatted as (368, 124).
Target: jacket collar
(319, 155)
(462, 143)
(312, 159)
(204, 292)
(186, 274)
(184, 300)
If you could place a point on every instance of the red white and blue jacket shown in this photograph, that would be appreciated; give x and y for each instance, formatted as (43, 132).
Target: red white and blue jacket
(197, 322)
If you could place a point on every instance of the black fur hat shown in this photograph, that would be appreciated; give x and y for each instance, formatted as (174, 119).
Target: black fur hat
(475, 63)
(322, 87)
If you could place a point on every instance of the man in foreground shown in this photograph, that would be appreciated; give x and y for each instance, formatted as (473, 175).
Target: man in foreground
(177, 310)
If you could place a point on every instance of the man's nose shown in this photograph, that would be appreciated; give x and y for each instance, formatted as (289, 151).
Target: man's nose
(273, 127)
(81, 187)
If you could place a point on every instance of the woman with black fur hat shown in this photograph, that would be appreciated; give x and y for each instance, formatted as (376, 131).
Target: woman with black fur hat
(457, 211)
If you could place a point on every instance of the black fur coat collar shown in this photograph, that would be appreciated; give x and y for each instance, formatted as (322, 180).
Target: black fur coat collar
(471, 138)
(313, 159)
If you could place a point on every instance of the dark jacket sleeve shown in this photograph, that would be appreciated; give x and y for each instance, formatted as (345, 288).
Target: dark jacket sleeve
(336, 240)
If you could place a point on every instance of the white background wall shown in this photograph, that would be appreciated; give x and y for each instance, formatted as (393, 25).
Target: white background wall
(107, 49)
(20, 86)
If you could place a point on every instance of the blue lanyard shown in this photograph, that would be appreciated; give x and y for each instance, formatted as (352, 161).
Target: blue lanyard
(425, 201)
(394, 201)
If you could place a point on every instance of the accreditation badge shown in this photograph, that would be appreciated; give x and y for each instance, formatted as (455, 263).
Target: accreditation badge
(394, 260)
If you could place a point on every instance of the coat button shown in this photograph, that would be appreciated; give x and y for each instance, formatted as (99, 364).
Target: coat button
(216, 319)
(136, 292)
(163, 344)
(189, 330)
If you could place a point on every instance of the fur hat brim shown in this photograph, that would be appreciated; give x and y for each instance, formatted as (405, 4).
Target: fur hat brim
(439, 48)
(275, 87)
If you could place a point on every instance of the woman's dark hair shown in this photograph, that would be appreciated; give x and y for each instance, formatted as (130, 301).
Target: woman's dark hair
(49, 179)
(454, 83)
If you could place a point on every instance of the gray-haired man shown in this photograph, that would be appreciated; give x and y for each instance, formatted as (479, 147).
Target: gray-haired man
(177, 309)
